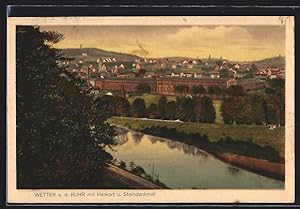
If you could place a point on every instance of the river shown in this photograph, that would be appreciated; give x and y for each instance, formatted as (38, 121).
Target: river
(180, 166)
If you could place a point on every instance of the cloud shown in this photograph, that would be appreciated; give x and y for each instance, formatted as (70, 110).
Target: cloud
(231, 42)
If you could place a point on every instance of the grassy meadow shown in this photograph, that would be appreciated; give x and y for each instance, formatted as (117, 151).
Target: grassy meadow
(260, 135)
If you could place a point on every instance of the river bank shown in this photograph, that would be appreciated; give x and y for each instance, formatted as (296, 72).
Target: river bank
(118, 178)
(259, 166)
(259, 135)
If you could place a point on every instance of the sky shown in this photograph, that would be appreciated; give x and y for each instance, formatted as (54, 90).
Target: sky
(239, 43)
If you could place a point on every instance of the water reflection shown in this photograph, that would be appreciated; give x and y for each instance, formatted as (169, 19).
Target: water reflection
(182, 166)
(121, 139)
(137, 137)
(187, 149)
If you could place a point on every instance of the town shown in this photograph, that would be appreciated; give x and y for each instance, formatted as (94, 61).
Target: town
(166, 76)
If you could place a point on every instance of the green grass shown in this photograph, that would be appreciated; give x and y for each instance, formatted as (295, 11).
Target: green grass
(217, 105)
(258, 134)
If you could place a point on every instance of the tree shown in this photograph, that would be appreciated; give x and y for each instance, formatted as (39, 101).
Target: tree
(230, 109)
(214, 90)
(141, 72)
(143, 88)
(235, 91)
(204, 110)
(224, 73)
(185, 109)
(198, 90)
(152, 111)
(122, 106)
(275, 101)
(108, 104)
(162, 106)
(138, 108)
(171, 110)
(60, 128)
(181, 89)
(254, 69)
(251, 110)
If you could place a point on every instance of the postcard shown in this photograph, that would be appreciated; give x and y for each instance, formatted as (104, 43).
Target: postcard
(175, 109)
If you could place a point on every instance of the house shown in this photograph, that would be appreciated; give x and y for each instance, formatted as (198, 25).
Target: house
(114, 69)
(138, 66)
(174, 66)
(197, 75)
(190, 65)
(175, 75)
(195, 62)
(214, 74)
(121, 67)
(188, 75)
(103, 68)
(236, 66)
(232, 71)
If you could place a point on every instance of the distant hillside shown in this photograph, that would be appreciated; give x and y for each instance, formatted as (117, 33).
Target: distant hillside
(273, 61)
(94, 54)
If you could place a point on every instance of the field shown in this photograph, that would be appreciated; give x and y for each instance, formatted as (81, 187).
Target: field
(258, 134)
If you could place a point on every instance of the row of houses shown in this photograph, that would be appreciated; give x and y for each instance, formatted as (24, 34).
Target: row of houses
(271, 72)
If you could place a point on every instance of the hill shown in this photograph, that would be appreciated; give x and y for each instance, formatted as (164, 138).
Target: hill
(273, 61)
(94, 53)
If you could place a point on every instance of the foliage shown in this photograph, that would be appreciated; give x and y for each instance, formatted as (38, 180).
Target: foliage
(141, 72)
(224, 73)
(230, 109)
(138, 108)
(152, 111)
(235, 91)
(251, 111)
(185, 108)
(260, 135)
(181, 89)
(162, 107)
(227, 145)
(171, 110)
(198, 90)
(122, 106)
(253, 69)
(204, 110)
(214, 90)
(60, 127)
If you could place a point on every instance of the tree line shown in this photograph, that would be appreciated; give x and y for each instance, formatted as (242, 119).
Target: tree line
(238, 107)
(258, 109)
(196, 109)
